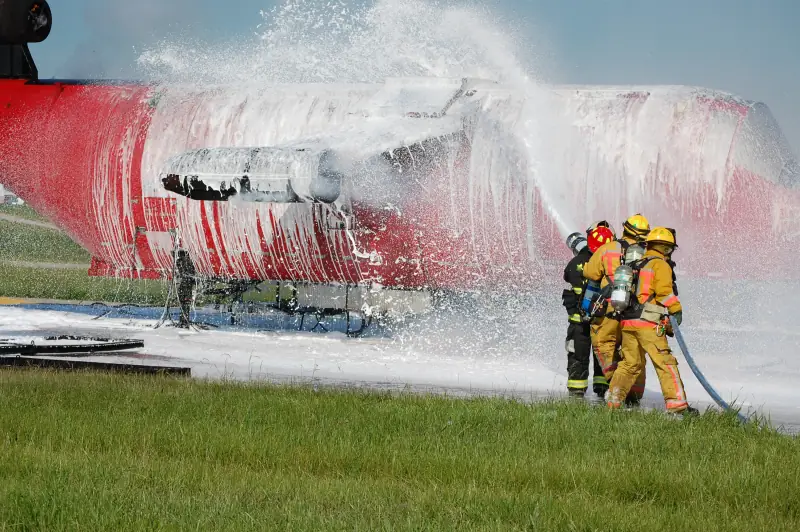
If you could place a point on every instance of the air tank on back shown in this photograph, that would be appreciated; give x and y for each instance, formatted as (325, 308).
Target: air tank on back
(621, 288)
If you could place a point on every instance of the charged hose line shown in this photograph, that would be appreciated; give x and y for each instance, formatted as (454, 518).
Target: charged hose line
(706, 385)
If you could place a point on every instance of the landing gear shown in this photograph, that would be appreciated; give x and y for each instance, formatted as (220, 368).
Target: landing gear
(292, 299)
(355, 321)
(350, 330)
(231, 294)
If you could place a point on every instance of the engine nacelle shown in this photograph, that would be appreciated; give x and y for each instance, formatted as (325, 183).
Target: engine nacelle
(274, 175)
(24, 21)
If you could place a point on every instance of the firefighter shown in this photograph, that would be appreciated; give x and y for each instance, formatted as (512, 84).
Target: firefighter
(186, 281)
(606, 334)
(578, 342)
(645, 323)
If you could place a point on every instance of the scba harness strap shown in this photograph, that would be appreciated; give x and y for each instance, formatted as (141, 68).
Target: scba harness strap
(596, 301)
(635, 308)
(648, 310)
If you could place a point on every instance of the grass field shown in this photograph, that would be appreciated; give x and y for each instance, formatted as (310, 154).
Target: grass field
(84, 451)
(23, 246)
(26, 251)
(22, 211)
(20, 242)
(76, 285)
(110, 452)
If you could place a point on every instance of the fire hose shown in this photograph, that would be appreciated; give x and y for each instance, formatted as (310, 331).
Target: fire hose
(699, 374)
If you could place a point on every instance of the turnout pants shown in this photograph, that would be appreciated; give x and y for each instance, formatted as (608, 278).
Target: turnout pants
(640, 337)
(185, 297)
(579, 351)
(606, 335)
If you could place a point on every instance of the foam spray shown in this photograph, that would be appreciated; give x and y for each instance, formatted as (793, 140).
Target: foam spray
(601, 154)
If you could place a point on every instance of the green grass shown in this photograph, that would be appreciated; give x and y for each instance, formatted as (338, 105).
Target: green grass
(106, 452)
(22, 211)
(28, 243)
(77, 285)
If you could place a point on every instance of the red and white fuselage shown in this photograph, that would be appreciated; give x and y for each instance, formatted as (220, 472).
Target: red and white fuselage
(450, 184)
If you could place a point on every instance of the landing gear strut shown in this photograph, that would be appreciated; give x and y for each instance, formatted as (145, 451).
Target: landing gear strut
(292, 307)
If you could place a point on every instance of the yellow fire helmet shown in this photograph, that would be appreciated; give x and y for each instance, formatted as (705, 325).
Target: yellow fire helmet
(636, 226)
(661, 235)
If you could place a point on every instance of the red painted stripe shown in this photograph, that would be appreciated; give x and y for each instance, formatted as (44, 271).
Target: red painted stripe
(160, 214)
(262, 239)
(278, 248)
(144, 251)
(252, 269)
(145, 115)
(213, 256)
(223, 245)
(267, 260)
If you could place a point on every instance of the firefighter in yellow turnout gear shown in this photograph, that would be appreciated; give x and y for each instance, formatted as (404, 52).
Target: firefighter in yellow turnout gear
(645, 323)
(606, 333)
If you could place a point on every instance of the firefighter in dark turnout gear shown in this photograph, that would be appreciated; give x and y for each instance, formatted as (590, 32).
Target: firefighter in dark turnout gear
(186, 282)
(578, 342)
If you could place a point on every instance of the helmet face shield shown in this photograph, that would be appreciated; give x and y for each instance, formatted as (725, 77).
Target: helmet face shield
(601, 223)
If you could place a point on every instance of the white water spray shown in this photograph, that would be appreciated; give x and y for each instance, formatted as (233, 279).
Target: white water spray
(304, 41)
(588, 154)
(508, 178)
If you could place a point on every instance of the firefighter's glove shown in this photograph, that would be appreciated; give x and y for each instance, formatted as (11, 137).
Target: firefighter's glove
(678, 317)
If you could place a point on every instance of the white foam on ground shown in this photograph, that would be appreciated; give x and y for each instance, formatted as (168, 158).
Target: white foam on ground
(766, 384)
(595, 155)
(286, 354)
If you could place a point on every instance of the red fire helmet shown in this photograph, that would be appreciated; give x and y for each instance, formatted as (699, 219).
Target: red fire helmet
(599, 236)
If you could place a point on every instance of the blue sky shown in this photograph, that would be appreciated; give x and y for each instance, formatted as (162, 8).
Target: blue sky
(748, 47)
